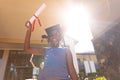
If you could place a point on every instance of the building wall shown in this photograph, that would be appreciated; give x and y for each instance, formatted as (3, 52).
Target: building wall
(107, 47)
(86, 57)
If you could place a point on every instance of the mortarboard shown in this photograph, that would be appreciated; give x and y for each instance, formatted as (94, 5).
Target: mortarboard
(54, 27)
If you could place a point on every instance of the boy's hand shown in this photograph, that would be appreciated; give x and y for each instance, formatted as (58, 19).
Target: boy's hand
(28, 24)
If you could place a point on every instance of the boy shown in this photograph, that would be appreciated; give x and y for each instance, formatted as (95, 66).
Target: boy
(58, 63)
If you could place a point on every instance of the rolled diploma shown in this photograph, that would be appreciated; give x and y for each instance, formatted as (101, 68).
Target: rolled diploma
(41, 8)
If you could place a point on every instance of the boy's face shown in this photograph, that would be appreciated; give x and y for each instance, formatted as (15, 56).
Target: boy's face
(54, 38)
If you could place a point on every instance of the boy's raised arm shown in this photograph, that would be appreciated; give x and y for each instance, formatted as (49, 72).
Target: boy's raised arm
(27, 48)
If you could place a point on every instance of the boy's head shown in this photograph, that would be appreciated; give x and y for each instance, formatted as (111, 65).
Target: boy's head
(54, 27)
(54, 34)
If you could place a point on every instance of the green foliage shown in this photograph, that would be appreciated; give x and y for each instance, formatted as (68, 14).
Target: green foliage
(81, 75)
(92, 74)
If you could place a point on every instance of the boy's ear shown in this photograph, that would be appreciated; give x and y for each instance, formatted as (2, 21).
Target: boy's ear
(44, 37)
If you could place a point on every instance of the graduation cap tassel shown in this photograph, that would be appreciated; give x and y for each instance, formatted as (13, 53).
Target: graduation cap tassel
(33, 25)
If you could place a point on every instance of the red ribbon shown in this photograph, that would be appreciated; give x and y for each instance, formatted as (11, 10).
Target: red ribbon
(33, 25)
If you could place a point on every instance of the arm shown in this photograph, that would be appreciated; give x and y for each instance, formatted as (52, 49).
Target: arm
(70, 65)
(27, 47)
(33, 65)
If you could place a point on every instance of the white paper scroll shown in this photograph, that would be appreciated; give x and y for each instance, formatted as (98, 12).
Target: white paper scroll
(41, 8)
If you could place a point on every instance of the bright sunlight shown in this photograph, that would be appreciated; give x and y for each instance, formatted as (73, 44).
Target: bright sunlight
(77, 20)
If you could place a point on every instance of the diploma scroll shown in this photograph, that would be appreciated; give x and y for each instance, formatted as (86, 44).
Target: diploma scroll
(41, 8)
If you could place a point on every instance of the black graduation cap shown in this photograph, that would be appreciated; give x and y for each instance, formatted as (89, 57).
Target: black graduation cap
(54, 27)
